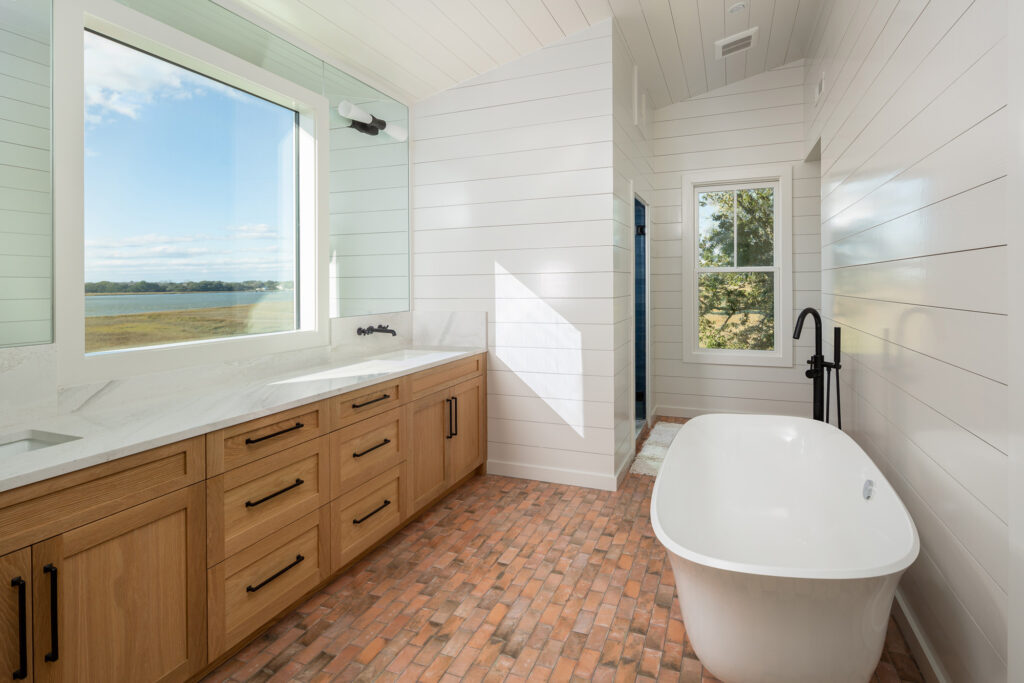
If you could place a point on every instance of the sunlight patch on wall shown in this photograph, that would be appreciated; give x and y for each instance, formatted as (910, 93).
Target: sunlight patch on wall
(531, 339)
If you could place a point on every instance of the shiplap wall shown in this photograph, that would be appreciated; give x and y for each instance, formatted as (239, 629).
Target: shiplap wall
(26, 235)
(755, 121)
(632, 173)
(512, 215)
(369, 247)
(913, 129)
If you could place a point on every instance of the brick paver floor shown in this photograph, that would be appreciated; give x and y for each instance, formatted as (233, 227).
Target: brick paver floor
(504, 580)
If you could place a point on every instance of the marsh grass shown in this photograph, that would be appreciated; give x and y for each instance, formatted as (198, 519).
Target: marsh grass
(110, 332)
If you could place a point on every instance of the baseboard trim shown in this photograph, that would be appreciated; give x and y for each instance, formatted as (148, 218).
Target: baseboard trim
(676, 411)
(554, 475)
(922, 650)
(620, 476)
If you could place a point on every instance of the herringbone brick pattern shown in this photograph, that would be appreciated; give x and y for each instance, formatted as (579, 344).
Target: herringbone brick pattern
(504, 580)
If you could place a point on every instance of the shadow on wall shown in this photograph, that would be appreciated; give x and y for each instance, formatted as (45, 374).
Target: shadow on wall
(541, 347)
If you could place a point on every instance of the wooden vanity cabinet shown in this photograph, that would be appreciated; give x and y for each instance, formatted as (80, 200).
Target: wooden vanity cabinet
(123, 598)
(16, 616)
(150, 567)
(448, 433)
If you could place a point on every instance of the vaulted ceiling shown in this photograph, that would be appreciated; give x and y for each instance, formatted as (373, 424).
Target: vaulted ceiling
(416, 48)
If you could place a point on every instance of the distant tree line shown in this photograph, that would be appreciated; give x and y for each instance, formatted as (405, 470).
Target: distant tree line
(145, 287)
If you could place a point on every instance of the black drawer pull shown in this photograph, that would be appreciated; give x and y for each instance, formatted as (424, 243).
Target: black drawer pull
(366, 517)
(376, 400)
(253, 589)
(54, 652)
(264, 499)
(297, 425)
(22, 671)
(451, 431)
(371, 449)
(455, 411)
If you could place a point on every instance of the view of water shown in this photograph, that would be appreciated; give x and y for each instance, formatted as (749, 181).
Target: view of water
(124, 304)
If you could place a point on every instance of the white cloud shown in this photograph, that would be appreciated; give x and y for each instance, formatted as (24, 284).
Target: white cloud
(255, 231)
(142, 241)
(120, 81)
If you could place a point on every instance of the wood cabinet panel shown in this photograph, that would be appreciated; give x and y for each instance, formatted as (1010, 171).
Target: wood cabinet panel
(361, 451)
(248, 503)
(130, 595)
(37, 511)
(428, 424)
(469, 442)
(16, 615)
(241, 444)
(253, 586)
(444, 376)
(358, 405)
(365, 515)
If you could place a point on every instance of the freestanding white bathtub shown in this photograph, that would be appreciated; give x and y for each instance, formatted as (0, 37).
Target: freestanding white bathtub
(785, 563)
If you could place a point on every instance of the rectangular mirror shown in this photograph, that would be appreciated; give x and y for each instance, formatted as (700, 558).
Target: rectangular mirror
(26, 230)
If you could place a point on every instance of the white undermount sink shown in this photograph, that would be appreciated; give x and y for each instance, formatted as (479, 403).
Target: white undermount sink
(31, 440)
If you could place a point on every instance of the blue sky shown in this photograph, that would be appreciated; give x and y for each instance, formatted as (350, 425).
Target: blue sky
(185, 178)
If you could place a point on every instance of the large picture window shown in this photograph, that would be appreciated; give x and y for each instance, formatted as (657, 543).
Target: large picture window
(189, 206)
(192, 200)
(740, 303)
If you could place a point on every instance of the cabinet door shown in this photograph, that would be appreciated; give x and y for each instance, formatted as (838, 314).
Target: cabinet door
(429, 435)
(468, 443)
(127, 595)
(16, 616)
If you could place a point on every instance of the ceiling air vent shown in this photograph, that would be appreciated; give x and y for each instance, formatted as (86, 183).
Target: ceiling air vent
(738, 42)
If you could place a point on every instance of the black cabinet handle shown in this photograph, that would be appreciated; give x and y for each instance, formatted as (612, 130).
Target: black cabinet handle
(455, 411)
(264, 499)
(372, 401)
(366, 517)
(371, 449)
(54, 652)
(264, 582)
(297, 425)
(22, 671)
(450, 433)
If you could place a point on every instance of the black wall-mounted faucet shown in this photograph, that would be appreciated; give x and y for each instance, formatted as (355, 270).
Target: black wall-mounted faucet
(363, 331)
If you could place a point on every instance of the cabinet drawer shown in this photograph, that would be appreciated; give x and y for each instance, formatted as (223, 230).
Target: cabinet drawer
(249, 502)
(235, 446)
(363, 516)
(361, 451)
(252, 587)
(443, 376)
(44, 509)
(361, 404)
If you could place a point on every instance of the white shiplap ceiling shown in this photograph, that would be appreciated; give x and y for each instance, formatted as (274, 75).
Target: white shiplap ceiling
(416, 48)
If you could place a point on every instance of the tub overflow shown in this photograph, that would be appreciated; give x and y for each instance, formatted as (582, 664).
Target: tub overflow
(869, 489)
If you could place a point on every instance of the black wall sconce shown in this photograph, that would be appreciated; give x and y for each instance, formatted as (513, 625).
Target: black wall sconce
(369, 124)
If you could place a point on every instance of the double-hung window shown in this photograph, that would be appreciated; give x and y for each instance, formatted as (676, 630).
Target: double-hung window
(738, 292)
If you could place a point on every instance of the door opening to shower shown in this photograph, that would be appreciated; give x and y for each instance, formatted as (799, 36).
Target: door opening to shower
(640, 312)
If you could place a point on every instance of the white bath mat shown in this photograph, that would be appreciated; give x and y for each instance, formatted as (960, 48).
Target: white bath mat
(648, 460)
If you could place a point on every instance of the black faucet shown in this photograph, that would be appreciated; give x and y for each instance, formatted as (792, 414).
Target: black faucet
(363, 331)
(817, 361)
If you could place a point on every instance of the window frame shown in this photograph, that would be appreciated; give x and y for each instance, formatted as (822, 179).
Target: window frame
(111, 19)
(781, 175)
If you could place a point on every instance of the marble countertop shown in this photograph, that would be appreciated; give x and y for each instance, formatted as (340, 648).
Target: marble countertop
(114, 432)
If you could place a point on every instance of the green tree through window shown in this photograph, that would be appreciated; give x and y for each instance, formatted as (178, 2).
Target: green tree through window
(736, 278)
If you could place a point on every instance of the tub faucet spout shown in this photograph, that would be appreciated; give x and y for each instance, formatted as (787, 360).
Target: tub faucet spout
(817, 362)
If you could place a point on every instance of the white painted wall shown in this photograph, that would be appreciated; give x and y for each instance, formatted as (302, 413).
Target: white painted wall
(913, 131)
(512, 214)
(1015, 285)
(755, 121)
(26, 235)
(632, 173)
